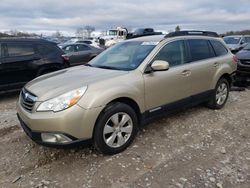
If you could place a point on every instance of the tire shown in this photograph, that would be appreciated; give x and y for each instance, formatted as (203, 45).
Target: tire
(220, 95)
(111, 136)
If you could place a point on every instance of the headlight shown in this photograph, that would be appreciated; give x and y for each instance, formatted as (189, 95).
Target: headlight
(63, 101)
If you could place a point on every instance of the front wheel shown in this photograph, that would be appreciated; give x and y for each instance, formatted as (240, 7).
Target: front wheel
(220, 95)
(115, 129)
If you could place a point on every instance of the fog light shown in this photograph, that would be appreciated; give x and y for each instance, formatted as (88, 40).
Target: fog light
(55, 138)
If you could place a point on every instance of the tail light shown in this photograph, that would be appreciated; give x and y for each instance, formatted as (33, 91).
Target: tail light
(65, 57)
(235, 59)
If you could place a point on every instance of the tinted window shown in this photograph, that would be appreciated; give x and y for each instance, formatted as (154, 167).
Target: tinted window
(82, 48)
(46, 49)
(174, 53)
(20, 50)
(232, 40)
(0, 50)
(200, 49)
(69, 49)
(87, 42)
(247, 39)
(218, 48)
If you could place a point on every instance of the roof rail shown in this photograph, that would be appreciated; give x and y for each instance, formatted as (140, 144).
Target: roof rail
(192, 33)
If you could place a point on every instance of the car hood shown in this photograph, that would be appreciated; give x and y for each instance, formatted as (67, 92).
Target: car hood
(243, 54)
(54, 84)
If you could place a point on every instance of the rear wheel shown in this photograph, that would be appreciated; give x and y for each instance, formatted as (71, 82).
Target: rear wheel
(220, 95)
(115, 129)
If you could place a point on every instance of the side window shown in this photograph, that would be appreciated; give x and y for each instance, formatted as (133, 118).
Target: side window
(174, 53)
(247, 39)
(82, 48)
(45, 49)
(219, 48)
(69, 49)
(200, 49)
(20, 50)
(0, 50)
(243, 40)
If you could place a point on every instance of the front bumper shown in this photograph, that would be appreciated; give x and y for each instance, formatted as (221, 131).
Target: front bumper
(75, 123)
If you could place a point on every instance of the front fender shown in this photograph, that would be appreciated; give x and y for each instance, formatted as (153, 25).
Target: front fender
(100, 94)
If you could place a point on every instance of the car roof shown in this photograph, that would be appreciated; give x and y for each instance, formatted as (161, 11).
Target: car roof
(152, 38)
(14, 39)
(233, 36)
(158, 38)
(237, 36)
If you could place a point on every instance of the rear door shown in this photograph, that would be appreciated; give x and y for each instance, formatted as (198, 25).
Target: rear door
(16, 68)
(203, 66)
(83, 53)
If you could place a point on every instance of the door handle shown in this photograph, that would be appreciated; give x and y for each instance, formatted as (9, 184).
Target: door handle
(186, 73)
(216, 64)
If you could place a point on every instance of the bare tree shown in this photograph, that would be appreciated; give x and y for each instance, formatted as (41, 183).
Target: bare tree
(89, 29)
(58, 34)
(80, 32)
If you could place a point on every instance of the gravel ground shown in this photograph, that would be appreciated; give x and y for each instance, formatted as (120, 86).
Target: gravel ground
(193, 148)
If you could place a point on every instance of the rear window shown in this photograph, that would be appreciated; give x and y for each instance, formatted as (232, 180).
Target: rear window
(69, 49)
(200, 49)
(86, 42)
(20, 50)
(80, 48)
(219, 48)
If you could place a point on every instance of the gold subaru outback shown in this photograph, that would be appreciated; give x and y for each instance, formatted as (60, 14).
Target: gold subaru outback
(107, 99)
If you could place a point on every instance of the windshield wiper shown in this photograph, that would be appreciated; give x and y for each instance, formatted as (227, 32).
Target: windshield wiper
(107, 67)
(88, 65)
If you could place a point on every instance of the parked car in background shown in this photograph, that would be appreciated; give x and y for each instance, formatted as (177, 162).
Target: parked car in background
(143, 32)
(23, 59)
(243, 69)
(93, 42)
(125, 86)
(79, 53)
(236, 42)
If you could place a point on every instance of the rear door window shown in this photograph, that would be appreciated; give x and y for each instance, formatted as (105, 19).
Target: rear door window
(219, 48)
(200, 49)
(15, 50)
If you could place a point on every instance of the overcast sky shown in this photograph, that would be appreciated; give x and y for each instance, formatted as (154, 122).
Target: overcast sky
(51, 15)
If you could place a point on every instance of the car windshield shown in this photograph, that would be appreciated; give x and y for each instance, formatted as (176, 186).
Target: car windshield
(247, 47)
(232, 40)
(123, 56)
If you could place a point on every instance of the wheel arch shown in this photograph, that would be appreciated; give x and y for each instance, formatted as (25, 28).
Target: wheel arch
(125, 100)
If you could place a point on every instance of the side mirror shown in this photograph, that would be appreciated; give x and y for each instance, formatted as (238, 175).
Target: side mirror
(157, 65)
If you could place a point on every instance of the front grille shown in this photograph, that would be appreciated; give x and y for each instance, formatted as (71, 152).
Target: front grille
(27, 100)
(245, 62)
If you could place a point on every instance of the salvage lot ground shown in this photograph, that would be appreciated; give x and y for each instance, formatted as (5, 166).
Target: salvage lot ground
(194, 148)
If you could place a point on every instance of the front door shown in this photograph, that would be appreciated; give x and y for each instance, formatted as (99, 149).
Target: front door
(164, 89)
